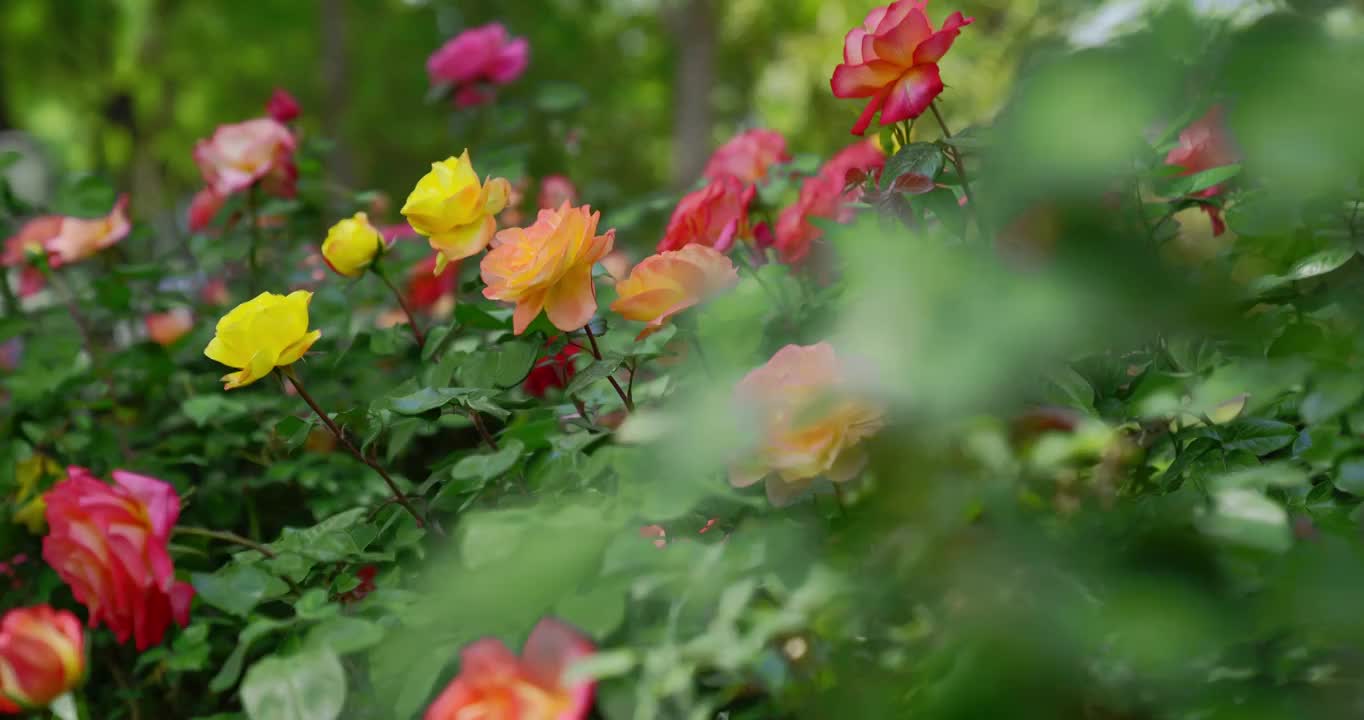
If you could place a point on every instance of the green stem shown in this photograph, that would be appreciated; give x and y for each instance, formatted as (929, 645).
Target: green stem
(596, 352)
(411, 318)
(224, 536)
(961, 167)
(6, 292)
(398, 495)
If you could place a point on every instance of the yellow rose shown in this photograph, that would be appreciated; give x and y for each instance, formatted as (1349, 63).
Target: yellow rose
(351, 245)
(261, 334)
(454, 210)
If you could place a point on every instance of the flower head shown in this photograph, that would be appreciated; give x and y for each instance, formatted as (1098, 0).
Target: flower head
(1203, 145)
(352, 245)
(477, 58)
(261, 334)
(79, 238)
(747, 156)
(109, 543)
(282, 106)
(893, 59)
(668, 283)
(202, 207)
(827, 196)
(713, 216)
(454, 210)
(42, 656)
(240, 155)
(165, 328)
(555, 190)
(551, 371)
(548, 266)
(811, 423)
(494, 684)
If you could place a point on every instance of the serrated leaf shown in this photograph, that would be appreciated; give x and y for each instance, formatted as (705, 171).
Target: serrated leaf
(1248, 518)
(923, 159)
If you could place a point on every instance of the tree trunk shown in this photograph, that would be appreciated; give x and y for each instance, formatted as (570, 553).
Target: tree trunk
(693, 28)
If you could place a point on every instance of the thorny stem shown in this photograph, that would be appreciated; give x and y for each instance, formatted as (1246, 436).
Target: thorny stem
(961, 167)
(596, 353)
(398, 495)
(227, 537)
(411, 318)
(482, 429)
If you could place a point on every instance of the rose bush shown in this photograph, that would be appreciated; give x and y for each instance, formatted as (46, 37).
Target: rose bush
(1043, 403)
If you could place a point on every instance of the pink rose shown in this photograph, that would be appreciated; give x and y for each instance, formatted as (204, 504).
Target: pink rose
(713, 216)
(824, 196)
(203, 207)
(242, 154)
(1203, 145)
(555, 190)
(477, 57)
(893, 59)
(80, 238)
(748, 155)
(282, 106)
(110, 544)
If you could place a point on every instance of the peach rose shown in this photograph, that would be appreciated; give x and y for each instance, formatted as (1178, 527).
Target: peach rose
(167, 327)
(811, 424)
(79, 238)
(665, 284)
(548, 266)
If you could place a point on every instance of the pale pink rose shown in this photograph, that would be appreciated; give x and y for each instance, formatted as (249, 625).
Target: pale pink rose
(240, 155)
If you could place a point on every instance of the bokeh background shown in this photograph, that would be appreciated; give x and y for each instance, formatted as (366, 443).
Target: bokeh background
(626, 97)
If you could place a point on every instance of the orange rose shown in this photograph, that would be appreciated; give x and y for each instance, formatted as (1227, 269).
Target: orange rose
(167, 327)
(811, 424)
(665, 284)
(548, 266)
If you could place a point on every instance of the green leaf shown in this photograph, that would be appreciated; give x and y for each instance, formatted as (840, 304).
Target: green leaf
(237, 589)
(1189, 184)
(294, 431)
(310, 685)
(943, 203)
(1330, 396)
(915, 158)
(1248, 518)
(1350, 477)
(1262, 477)
(345, 635)
(598, 370)
(597, 611)
(1320, 263)
(428, 399)
(488, 466)
(1257, 435)
(503, 367)
(204, 410)
(232, 667)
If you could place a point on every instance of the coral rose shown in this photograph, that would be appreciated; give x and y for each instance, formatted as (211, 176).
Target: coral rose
(747, 156)
(167, 327)
(548, 266)
(1203, 145)
(494, 684)
(477, 58)
(893, 59)
(109, 543)
(261, 334)
(29, 244)
(42, 656)
(811, 424)
(713, 216)
(282, 106)
(668, 283)
(827, 196)
(454, 210)
(352, 245)
(79, 238)
(240, 155)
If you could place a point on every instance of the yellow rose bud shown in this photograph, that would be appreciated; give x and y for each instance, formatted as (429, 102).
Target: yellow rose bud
(261, 334)
(351, 245)
(454, 210)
